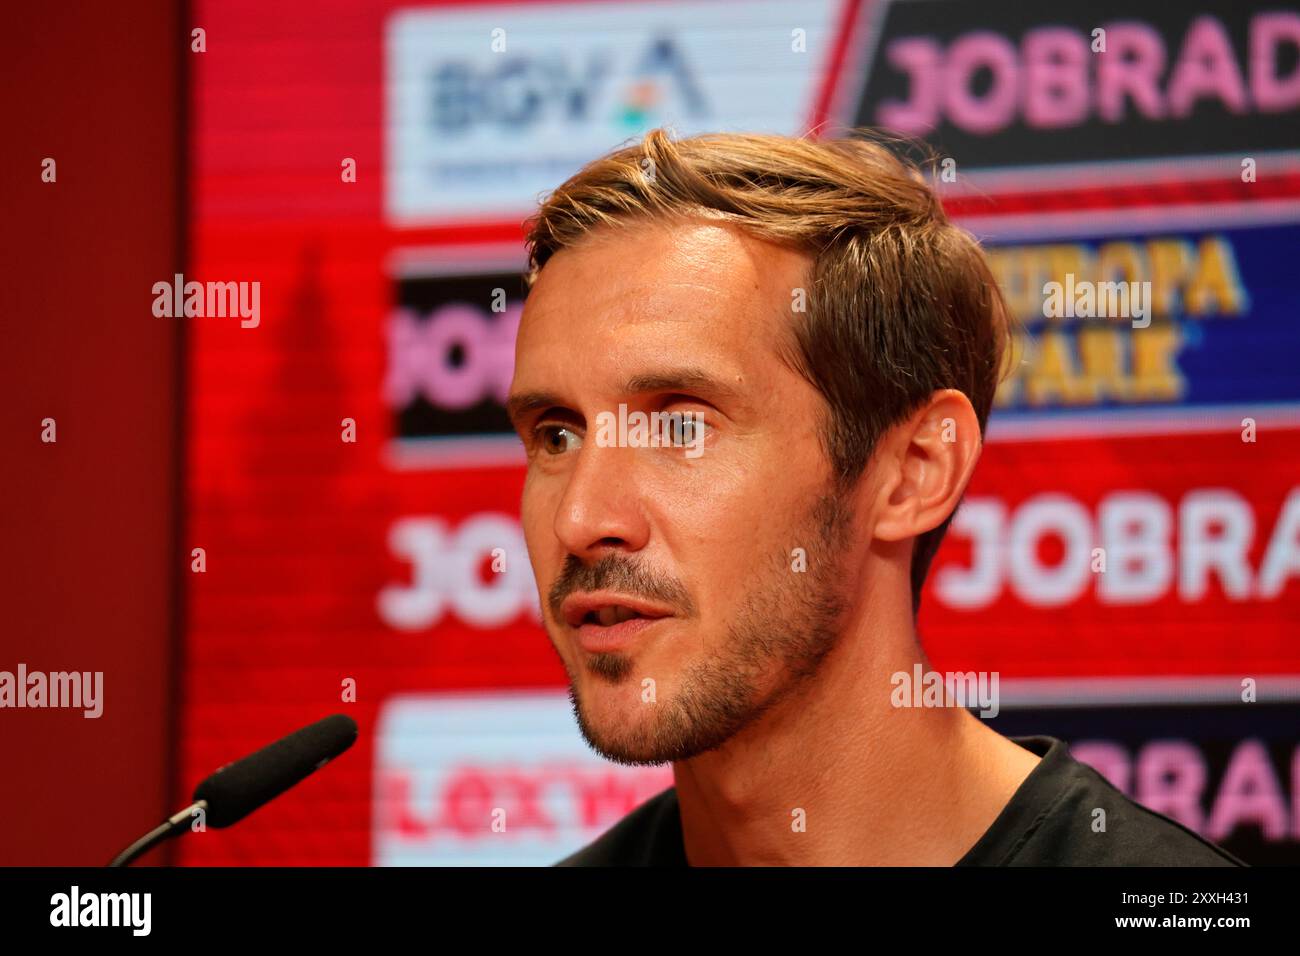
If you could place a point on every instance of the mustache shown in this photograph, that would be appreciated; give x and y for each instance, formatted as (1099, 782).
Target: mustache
(617, 573)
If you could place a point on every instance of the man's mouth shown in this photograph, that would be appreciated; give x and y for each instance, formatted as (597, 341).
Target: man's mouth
(605, 621)
(607, 609)
(611, 614)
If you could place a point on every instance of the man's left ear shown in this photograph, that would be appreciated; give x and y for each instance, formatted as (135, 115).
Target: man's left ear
(925, 464)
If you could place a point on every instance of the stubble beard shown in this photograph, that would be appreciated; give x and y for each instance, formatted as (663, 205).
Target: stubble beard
(779, 637)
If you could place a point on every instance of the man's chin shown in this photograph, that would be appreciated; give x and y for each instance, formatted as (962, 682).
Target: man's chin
(618, 724)
(627, 725)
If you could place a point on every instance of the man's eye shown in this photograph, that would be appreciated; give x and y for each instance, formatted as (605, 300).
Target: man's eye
(552, 438)
(688, 431)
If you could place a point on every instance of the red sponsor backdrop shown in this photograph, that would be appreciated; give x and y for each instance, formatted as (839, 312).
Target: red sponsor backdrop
(295, 522)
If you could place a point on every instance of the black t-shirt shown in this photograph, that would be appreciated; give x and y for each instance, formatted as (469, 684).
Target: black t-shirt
(1049, 821)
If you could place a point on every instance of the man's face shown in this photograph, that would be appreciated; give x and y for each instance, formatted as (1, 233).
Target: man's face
(696, 312)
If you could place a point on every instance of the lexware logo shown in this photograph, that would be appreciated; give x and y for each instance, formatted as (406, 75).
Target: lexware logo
(493, 779)
(487, 107)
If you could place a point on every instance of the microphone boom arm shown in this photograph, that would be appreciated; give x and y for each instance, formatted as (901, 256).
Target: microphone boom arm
(172, 826)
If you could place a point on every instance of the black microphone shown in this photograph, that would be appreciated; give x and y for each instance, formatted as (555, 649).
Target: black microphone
(239, 788)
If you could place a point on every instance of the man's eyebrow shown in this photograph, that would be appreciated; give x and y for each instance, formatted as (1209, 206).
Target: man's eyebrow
(693, 381)
(517, 406)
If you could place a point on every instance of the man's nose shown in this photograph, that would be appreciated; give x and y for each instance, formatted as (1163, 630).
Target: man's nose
(601, 506)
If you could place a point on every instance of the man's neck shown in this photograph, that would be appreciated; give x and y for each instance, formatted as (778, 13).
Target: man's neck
(836, 775)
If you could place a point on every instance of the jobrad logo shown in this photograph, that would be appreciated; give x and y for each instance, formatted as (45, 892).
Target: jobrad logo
(996, 89)
(451, 344)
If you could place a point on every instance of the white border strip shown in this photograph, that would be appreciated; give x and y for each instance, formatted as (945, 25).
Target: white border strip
(459, 259)
(1044, 692)
(1109, 173)
(1119, 221)
(465, 451)
(1122, 422)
